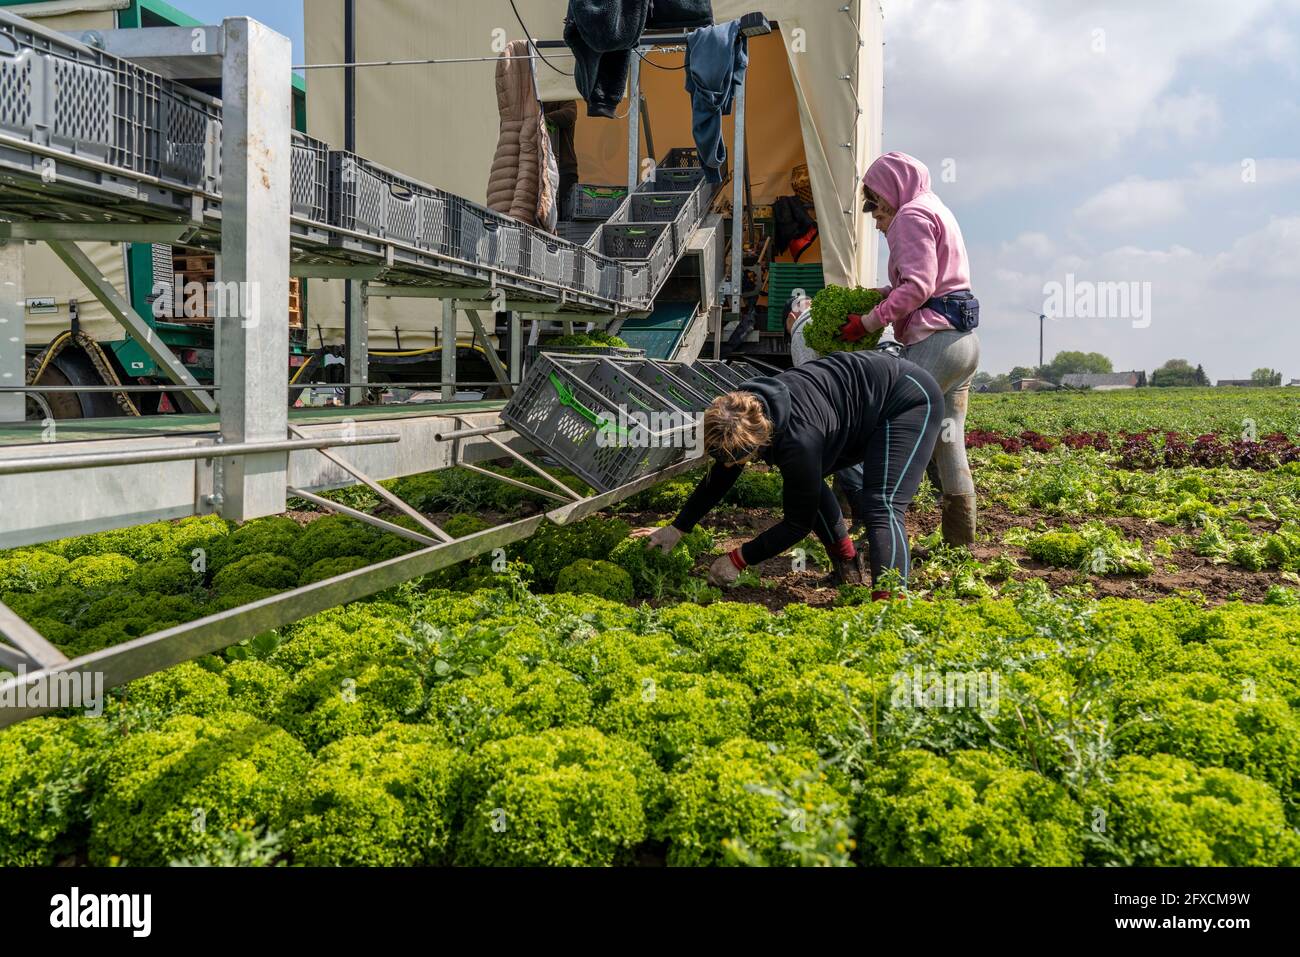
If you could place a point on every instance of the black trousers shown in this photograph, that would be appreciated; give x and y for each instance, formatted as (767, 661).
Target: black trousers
(895, 462)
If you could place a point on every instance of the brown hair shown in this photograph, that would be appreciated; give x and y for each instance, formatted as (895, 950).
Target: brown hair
(735, 427)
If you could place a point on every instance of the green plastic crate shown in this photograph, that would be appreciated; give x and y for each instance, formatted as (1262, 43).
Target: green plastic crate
(782, 280)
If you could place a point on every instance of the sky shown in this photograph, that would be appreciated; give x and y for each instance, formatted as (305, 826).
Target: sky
(1116, 142)
(1089, 144)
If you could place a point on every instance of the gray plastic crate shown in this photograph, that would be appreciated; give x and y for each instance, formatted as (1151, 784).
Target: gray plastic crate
(470, 238)
(720, 372)
(368, 198)
(578, 233)
(550, 260)
(190, 135)
(310, 178)
(636, 283)
(617, 352)
(706, 385)
(603, 277)
(661, 377)
(570, 409)
(593, 201)
(505, 244)
(55, 91)
(435, 222)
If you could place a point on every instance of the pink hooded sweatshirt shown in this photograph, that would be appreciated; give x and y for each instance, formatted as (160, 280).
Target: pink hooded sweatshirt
(927, 255)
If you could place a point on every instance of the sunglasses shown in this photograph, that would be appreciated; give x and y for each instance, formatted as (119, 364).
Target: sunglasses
(869, 203)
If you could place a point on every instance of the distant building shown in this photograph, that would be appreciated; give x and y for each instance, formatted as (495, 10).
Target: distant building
(1104, 381)
(1238, 383)
(1030, 385)
(1294, 382)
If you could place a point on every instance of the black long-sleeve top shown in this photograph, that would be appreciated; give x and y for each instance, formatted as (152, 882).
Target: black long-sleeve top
(823, 414)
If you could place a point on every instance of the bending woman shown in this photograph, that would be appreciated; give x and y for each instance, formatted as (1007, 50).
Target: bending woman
(864, 408)
(932, 310)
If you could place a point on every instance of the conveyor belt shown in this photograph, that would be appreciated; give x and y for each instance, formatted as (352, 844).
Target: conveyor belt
(48, 179)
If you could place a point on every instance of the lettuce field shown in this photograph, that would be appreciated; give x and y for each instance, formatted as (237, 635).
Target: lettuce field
(1110, 676)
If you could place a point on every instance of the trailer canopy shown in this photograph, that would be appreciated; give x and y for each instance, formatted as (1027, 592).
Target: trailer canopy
(821, 75)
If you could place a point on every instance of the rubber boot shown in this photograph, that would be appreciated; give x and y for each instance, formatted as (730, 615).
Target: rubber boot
(847, 571)
(958, 521)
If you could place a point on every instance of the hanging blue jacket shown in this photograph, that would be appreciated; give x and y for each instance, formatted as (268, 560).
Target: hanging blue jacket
(716, 58)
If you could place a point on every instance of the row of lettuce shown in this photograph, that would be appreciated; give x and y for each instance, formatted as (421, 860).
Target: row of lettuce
(503, 728)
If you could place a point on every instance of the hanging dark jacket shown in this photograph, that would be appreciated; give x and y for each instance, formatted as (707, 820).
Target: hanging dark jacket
(716, 59)
(601, 34)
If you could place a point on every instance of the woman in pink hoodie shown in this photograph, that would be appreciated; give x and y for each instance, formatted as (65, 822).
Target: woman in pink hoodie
(932, 311)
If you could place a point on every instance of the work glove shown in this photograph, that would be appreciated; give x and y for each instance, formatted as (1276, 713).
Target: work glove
(665, 539)
(854, 329)
(724, 572)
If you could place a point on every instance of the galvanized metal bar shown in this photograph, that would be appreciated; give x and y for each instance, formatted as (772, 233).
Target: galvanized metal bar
(94, 460)
(515, 482)
(536, 468)
(136, 325)
(357, 339)
(303, 270)
(97, 232)
(256, 112)
(13, 331)
(448, 342)
(11, 659)
(55, 389)
(516, 349)
(498, 369)
(470, 433)
(589, 506)
(633, 122)
(379, 490)
(360, 516)
(738, 205)
(164, 649)
(27, 639)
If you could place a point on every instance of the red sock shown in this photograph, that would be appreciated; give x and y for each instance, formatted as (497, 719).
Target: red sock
(737, 559)
(882, 596)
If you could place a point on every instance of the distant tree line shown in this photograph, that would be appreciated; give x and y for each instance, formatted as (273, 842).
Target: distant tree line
(1175, 372)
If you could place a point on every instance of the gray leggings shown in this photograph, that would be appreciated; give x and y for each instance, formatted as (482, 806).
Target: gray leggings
(952, 358)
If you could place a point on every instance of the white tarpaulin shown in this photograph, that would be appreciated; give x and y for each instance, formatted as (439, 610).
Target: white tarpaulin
(821, 75)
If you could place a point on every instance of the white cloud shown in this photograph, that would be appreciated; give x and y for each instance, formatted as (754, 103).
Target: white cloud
(1018, 91)
(1228, 309)
(1186, 117)
(1138, 202)
(1133, 203)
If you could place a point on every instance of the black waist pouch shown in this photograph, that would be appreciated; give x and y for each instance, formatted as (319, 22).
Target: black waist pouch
(961, 309)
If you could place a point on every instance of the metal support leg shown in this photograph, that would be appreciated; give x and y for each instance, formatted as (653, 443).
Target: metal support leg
(136, 326)
(13, 332)
(255, 259)
(498, 370)
(28, 640)
(633, 124)
(358, 340)
(516, 349)
(448, 350)
(738, 205)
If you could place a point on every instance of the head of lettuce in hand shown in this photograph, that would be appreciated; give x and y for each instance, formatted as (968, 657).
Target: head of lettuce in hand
(837, 320)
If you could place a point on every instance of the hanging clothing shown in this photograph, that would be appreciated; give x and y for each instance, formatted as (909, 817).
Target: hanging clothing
(716, 60)
(601, 35)
(522, 182)
(791, 222)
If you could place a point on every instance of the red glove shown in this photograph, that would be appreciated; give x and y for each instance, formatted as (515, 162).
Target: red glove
(853, 330)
